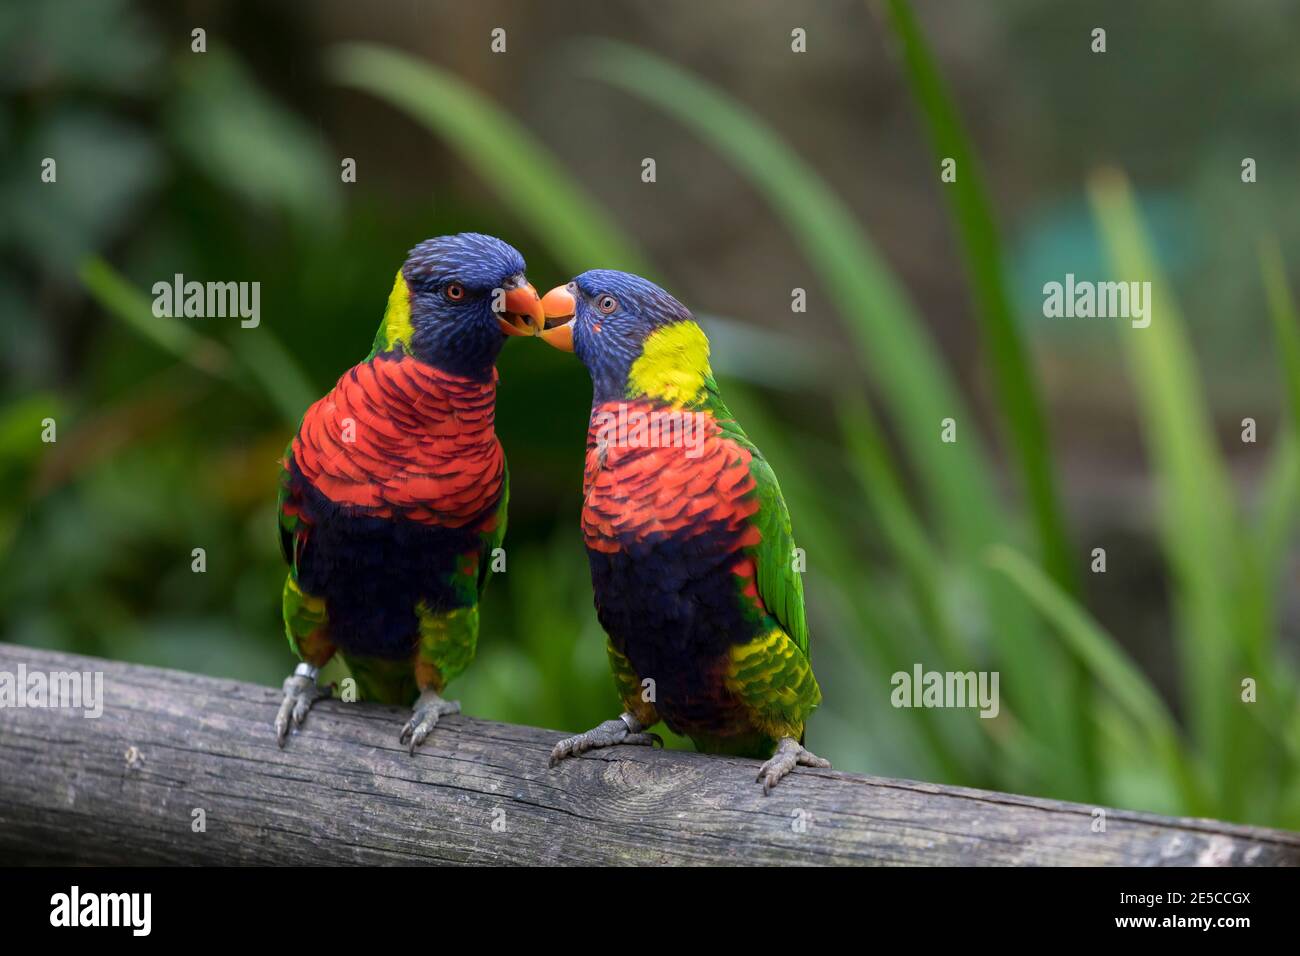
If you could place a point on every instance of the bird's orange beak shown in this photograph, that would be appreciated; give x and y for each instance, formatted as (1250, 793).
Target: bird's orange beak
(559, 307)
(522, 312)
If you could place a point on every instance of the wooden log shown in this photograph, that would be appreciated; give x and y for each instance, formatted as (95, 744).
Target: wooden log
(172, 748)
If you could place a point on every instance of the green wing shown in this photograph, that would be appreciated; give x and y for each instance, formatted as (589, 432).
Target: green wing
(772, 674)
(779, 584)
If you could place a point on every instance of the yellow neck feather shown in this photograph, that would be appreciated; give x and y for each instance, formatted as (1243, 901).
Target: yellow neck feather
(673, 365)
(397, 317)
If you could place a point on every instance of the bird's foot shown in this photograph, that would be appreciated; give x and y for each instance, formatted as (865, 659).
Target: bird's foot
(300, 692)
(789, 754)
(424, 717)
(624, 730)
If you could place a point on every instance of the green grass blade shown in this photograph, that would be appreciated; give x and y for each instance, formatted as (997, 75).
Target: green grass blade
(1108, 663)
(277, 372)
(520, 167)
(1282, 480)
(124, 301)
(1017, 393)
(1278, 496)
(1198, 529)
(1277, 512)
(922, 567)
(1277, 505)
(820, 533)
(981, 247)
(259, 357)
(1286, 325)
(870, 461)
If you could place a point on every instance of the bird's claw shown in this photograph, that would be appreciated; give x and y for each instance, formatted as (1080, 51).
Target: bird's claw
(607, 734)
(789, 754)
(300, 692)
(424, 717)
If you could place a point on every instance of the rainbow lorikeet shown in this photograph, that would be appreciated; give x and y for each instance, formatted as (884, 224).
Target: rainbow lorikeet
(393, 493)
(688, 537)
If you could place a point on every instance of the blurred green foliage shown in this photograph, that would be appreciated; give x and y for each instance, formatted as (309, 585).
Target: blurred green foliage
(170, 435)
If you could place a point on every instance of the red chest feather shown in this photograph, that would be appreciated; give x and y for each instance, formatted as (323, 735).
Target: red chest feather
(657, 471)
(398, 437)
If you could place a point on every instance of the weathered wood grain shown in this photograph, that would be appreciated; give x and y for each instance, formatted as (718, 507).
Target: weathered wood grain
(123, 788)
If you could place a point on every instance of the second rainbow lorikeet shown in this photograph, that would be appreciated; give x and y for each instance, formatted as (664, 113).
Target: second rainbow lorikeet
(688, 537)
(393, 493)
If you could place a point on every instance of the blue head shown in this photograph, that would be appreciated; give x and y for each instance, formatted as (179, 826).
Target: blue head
(456, 299)
(633, 336)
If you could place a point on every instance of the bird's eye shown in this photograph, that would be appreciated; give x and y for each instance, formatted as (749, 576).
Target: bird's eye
(455, 291)
(607, 304)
